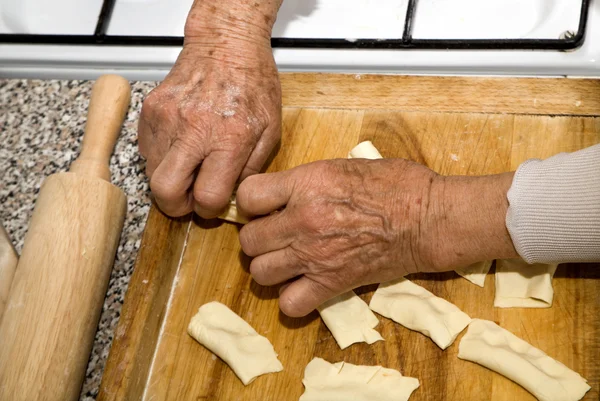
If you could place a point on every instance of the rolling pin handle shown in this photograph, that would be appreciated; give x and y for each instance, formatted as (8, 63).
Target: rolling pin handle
(108, 105)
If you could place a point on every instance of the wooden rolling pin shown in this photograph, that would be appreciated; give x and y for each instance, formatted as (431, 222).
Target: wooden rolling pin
(58, 290)
(8, 264)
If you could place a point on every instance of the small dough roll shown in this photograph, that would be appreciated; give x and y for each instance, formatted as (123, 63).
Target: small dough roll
(350, 320)
(342, 381)
(476, 272)
(418, 309)
(365, 150)
(231, 213)
(520, 285)
(497, 349)
(229, 336)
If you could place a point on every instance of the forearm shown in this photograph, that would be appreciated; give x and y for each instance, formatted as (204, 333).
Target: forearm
(466, 219)
(250, 20)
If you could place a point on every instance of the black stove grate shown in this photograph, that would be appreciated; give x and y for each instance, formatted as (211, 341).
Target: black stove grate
(570, 41)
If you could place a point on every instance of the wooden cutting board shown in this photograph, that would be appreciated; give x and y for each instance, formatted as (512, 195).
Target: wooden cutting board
(466, 126)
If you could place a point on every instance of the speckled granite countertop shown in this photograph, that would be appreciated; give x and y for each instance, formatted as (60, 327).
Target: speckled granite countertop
(41, 126)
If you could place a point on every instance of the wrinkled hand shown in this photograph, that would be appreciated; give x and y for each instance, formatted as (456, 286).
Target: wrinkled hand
(345, 223)
(214, 119)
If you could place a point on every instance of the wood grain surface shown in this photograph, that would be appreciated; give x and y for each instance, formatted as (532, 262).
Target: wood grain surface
(184, 264)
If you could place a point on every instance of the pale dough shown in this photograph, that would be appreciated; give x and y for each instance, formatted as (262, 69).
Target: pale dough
(418, 309)
(350, 320)
(226, 334)
(476, 272)
(342, 381)
(519, 285)
(364, 150)
(231, 213)
(497, 349)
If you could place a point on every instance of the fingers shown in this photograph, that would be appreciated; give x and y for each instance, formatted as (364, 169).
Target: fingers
(267, 234)
(215, 183)
(265, 193)
(261, 152)
(302, 296)
(171, 183)
(275, 267)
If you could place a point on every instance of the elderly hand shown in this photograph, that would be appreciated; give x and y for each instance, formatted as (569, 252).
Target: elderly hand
(217, 115)
(347, 223)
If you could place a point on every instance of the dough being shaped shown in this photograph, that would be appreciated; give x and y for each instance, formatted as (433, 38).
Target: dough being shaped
(231, 213)
(226, 334)
(350, 320)
(497, 349)
(342, 381)
(365, 150)
(476, 272)
(519, 285)
(418, 309)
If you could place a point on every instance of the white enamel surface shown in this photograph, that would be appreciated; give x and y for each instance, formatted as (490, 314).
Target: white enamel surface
(296, 18)
(341, 19)
(149, 17)
(76, 17)
(506, 19)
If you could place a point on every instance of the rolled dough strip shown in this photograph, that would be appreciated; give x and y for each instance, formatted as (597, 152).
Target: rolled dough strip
(497, 349)
(231, 213)
(519, 285)
(418, 309)
(350, 320)
(364, 150)
(342, 381)
(476, 272)
(226, 334)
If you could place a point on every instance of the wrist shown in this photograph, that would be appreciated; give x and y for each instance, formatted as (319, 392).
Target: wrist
(467, 221)
(223, 21)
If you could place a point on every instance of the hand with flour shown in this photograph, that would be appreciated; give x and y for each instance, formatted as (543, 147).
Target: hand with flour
(217, 116)
(331, 226)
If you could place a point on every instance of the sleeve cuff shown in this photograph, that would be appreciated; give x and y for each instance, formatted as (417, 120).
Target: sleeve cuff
(554, 208)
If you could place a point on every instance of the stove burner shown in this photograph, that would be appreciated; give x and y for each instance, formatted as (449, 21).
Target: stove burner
(100, 38)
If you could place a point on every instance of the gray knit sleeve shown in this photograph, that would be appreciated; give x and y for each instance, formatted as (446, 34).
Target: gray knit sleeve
(554, 208)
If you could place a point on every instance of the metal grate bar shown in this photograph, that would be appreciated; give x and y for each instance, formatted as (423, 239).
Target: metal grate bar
(408, 21)
(104, 18)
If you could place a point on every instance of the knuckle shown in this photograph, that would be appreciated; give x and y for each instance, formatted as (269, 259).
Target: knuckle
(153, 100)
(160, 187)
(210, 201)
(248, 240)
(244, 193)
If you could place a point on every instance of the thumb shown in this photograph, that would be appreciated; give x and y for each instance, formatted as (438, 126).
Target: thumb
(302, 296)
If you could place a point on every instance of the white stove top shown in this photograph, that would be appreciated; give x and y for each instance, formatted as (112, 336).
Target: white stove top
(309, 19)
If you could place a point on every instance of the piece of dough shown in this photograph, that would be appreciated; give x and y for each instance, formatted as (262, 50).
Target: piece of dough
(519, 285)
(231, 213)
(364, 150)
(226, 334)
(418, 309)
(342, 381)
(350, 320)
(476, 272)
(497, 349)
